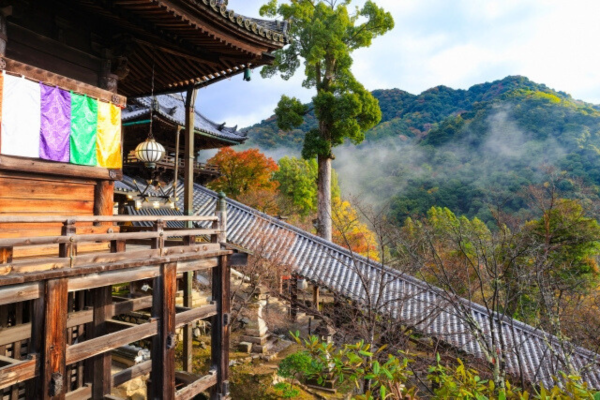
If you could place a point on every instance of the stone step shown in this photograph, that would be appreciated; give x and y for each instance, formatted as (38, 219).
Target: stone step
(264, 348)
(256, 339)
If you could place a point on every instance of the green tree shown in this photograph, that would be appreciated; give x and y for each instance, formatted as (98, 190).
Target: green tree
(297, 179)
(324, 34)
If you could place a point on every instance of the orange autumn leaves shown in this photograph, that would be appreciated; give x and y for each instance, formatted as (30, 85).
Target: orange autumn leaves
(250, 177)
(243, 171)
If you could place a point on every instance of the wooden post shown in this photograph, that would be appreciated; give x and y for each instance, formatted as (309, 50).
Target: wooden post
(159, 243)
(98, 367)
(68, 250)
(316, 297)
(294, 297)
(188, 278)
(33, 388)
(55, 340)
(164, 343)
(14, 395)
(221, 276)
(104, 198)
(190, 154)
(187, 329)
(6, 255)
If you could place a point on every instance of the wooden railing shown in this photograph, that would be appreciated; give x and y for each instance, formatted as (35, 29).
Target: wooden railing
(169, 163)
(61, 309)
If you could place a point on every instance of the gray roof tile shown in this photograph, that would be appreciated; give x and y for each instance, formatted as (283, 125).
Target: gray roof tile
(418, 303)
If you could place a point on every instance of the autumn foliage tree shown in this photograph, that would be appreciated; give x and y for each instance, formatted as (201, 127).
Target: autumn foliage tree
(351, 232)
(245, 174)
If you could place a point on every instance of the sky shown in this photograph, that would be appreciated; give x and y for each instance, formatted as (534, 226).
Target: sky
(456, 43)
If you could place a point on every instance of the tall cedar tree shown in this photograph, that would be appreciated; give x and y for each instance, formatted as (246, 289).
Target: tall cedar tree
(324, 34)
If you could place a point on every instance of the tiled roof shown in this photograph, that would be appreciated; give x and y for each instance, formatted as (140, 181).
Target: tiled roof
(172, 108)
(272, 30)
(411, 301)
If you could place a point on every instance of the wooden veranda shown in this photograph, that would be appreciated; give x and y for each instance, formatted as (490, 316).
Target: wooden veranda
(60, 321)
(69, 272)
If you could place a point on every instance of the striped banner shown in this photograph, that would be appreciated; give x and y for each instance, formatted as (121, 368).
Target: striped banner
(40, 121)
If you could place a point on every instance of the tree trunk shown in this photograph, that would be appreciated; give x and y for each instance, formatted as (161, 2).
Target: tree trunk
(324, 198)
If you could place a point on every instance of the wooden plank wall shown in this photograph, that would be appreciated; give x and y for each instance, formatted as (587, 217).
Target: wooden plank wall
(33, 194)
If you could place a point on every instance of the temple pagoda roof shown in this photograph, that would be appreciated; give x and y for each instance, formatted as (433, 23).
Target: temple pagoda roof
(186, 42)
(171, 108)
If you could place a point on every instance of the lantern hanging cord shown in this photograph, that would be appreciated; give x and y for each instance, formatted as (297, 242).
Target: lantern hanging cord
(150, 134)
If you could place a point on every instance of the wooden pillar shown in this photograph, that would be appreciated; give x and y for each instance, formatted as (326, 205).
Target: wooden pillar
(98, 367)
(104, 198)
(188, 347)
(294, 297)
(190, 154)
(316, 297)
(187, 329)
(68, 250)
(164, 343)
(221, 276)
(52, 371)
(6, 255)
(33, 387)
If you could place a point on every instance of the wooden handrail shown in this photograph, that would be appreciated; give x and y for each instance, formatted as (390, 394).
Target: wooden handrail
(113, 218)
(39, 240)
(170, 161)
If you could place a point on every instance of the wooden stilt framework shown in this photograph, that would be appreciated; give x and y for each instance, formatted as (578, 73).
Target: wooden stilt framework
(60, 321)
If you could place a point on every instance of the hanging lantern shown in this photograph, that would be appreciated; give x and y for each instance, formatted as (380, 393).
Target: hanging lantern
(150, 152)
(247, 74)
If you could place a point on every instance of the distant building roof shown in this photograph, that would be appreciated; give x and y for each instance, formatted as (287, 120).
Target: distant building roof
(171, 107)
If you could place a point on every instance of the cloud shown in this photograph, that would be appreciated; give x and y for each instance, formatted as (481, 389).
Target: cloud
(455, 43)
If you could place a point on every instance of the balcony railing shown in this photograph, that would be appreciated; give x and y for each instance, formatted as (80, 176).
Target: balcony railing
(169, 162)
(63, 313)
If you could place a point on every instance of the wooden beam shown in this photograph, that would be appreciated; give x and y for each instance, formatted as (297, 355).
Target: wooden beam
(113, 278)
(15, 279)
(163, 344)
(131, 373)
(23, 331)
(20, 371)
(193, 389)
(101, 237)
(63, 82)
(12, 163)
(51, 263)
(54, 382)
(17, 293)
(195, 314)
(83, 393)
(92, 347)
(106, 218)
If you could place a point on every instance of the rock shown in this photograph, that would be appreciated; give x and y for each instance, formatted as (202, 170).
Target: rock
(245, 347)
(202, 345)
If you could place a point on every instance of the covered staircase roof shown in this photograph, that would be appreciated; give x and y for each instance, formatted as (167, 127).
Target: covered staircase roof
(409, 300)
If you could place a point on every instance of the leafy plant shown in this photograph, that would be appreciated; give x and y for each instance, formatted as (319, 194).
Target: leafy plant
(287, 391)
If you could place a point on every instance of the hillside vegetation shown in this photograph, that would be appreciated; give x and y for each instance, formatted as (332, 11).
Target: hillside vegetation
(464, 149)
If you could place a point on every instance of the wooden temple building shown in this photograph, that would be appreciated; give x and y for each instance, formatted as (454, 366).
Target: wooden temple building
(66, 260)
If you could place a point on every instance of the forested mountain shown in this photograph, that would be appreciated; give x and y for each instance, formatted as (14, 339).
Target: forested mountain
(464, 149)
